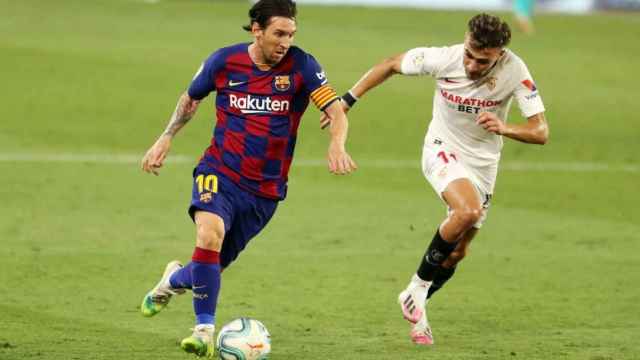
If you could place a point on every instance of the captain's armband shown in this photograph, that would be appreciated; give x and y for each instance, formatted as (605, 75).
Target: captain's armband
(323, 96)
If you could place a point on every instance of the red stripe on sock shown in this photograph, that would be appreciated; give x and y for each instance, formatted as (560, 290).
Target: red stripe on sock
(205, 256)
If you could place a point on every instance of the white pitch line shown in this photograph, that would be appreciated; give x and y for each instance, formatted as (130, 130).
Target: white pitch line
(364, 163)
(87, 158)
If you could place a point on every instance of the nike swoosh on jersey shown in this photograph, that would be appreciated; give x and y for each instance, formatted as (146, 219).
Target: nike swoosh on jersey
(236, 83)
(447, 80)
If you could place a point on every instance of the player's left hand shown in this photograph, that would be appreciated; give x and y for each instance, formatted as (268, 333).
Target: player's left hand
(491, 122)
(325, 119)
(339, 161)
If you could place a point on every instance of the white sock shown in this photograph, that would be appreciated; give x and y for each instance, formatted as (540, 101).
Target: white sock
(201, 327)
(416, 281)
(418, 288)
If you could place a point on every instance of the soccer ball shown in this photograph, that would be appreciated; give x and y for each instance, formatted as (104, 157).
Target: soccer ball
(244, 339)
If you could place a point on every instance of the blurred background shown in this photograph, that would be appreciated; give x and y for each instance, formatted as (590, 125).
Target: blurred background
(572, 6)
(87, 86)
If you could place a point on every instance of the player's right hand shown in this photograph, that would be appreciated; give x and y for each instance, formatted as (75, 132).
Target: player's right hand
(154, 158)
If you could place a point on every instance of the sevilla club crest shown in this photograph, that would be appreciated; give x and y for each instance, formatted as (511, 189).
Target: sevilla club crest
(491, 82)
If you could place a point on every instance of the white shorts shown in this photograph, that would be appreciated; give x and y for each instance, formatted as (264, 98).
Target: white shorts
(441, 166)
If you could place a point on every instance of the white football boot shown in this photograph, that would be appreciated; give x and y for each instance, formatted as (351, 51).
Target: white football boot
(421, 332)
(412, 303)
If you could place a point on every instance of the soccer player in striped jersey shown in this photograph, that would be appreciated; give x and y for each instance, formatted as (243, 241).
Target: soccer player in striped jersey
(262, 90)
(475, 84)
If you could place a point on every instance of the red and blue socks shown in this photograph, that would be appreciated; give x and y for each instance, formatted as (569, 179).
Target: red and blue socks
(202, 276)
(181, 279)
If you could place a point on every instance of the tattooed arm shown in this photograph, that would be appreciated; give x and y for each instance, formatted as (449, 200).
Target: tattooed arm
(155, 156)
(185, 110)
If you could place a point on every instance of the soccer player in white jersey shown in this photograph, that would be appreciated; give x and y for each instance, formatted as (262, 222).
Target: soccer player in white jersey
(475, 84)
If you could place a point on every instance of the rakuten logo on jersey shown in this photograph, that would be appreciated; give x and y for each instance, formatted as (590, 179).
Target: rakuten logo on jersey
(251, 104)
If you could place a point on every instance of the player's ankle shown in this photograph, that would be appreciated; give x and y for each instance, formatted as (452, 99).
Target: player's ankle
(417, 281)
(205, 327)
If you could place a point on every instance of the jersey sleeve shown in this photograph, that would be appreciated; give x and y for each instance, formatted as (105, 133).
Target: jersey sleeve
(317, 84)
(424, 61)
(527, 94)
(204, 81)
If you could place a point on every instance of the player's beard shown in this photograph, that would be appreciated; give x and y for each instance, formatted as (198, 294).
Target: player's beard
(276, 57)
(477, 74)
(270, 57)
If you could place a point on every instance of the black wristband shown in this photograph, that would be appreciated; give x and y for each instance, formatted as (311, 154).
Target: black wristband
(349, 99)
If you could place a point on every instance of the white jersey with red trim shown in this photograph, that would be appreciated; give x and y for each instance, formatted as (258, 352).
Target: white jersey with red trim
(458, 100)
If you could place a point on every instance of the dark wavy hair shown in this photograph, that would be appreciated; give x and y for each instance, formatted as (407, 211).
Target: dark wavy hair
(488, 31)
(263, 10)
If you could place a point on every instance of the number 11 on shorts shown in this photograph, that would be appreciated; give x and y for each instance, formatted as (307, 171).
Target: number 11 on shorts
(445, 158)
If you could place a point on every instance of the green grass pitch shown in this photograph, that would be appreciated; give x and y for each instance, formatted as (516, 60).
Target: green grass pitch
(554, 273)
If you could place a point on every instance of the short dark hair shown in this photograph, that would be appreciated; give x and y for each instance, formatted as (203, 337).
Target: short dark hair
(488, 31)
(263, 10)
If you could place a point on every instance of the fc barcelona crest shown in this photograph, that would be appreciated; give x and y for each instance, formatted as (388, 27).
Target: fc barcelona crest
(282, 82)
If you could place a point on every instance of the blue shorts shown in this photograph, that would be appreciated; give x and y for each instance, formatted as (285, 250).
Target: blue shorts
(244, 213)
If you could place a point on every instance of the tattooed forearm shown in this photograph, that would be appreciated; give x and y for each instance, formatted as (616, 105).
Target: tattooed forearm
(185, 110)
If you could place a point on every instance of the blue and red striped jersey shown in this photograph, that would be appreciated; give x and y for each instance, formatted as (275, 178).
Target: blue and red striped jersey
(258, 114)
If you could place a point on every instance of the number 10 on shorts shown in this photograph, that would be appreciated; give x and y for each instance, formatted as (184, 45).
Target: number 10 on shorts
(208, 183)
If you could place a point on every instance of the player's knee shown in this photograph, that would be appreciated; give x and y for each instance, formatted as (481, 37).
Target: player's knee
(468, 216)
(209, 237)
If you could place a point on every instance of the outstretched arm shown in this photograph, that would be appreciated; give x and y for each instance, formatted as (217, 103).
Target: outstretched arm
(372, 78)
(534, 131)
(377, 75)
(155, 156)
